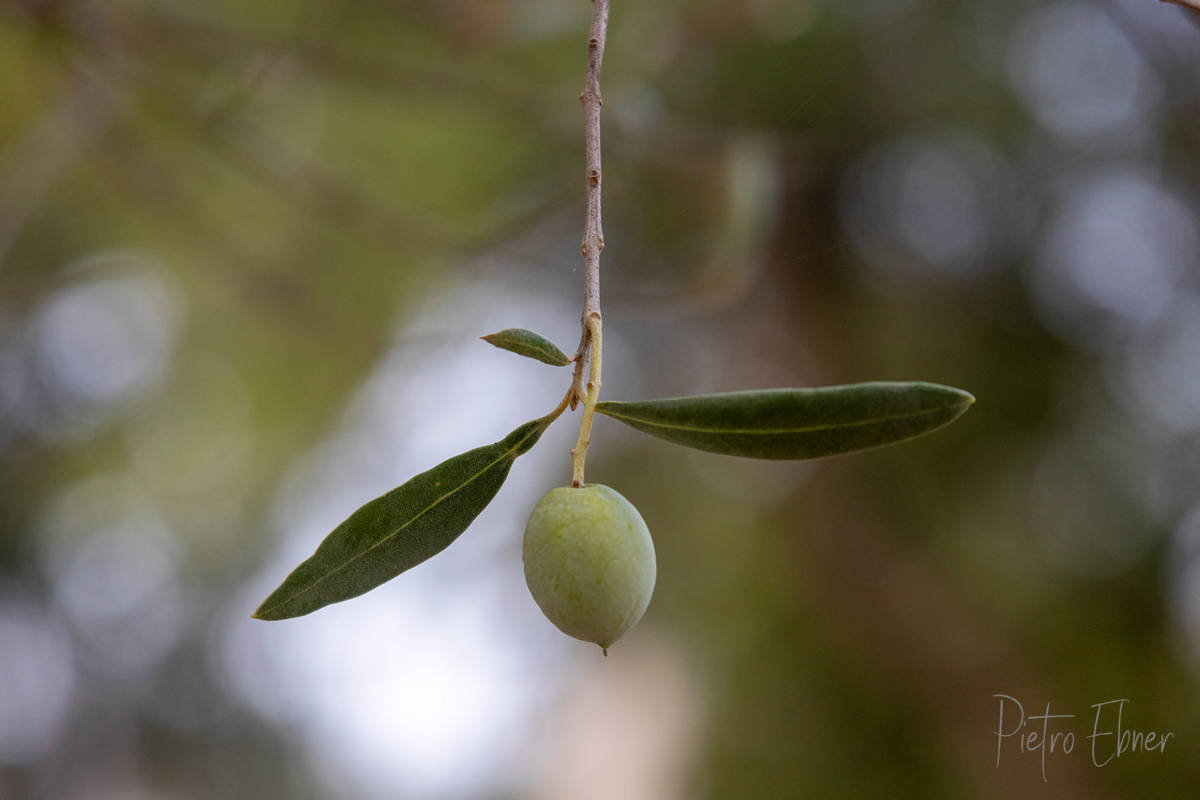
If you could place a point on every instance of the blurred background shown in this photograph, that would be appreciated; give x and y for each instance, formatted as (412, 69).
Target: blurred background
(245, 253)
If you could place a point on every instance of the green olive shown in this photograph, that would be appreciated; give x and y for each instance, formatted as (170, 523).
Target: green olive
(589, 562)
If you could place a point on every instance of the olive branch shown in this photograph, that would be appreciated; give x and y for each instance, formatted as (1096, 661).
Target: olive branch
(423, 516)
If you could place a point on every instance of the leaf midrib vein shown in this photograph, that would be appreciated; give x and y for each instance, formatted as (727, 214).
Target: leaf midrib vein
(772, 431)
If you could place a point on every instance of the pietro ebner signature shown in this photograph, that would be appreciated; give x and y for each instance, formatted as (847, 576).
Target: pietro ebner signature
(1048, 735)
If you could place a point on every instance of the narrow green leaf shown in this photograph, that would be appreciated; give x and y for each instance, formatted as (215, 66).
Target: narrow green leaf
(399, 530)
(796, 423)
(529, 344)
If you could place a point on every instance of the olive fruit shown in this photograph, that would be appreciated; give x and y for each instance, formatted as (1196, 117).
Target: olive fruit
(589, 562)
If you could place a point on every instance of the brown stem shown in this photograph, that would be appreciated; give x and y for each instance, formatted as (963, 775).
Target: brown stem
(593, 232)
(593, 239)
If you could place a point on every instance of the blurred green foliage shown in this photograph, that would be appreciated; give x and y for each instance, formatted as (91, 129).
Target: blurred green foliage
(218, 220)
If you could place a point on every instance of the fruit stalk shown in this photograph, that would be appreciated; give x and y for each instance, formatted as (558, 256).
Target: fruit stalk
(579, 454)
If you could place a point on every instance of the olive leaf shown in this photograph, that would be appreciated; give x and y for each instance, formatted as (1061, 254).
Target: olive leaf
(796, 423)
(400, 529)
(529, 344)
